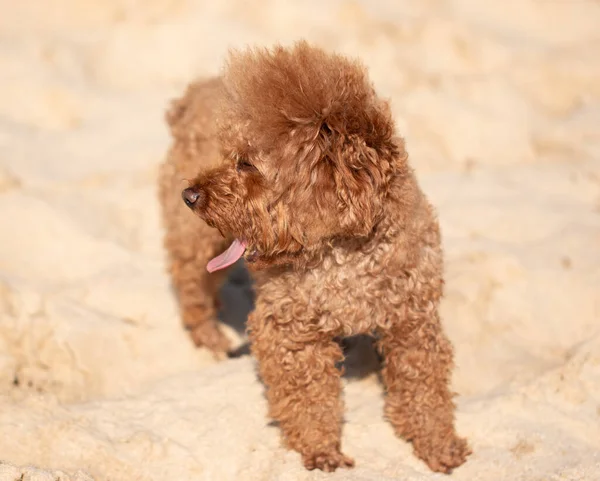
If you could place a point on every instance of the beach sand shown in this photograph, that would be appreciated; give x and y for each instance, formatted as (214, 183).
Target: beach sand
(499, 103)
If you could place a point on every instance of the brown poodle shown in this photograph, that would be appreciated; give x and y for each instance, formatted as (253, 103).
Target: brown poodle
(293, 164)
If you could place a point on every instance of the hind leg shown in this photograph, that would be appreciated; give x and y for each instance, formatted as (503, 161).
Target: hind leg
(198, 294)
(190, 243)
(197, 290)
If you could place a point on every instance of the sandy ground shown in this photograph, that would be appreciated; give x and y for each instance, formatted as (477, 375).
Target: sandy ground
(500, 105)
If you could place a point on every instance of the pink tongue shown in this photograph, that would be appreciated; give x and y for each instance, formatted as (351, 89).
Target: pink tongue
(235, 251)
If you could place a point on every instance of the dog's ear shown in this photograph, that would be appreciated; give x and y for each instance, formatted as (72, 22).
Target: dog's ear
(363, 158)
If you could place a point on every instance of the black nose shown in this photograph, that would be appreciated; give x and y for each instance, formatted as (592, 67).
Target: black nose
(191, 195)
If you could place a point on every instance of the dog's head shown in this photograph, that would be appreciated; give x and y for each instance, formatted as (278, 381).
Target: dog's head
(308, 156)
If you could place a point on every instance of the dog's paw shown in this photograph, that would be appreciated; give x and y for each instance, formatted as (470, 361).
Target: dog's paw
(327, 461)
(210, 336)
(445, 455)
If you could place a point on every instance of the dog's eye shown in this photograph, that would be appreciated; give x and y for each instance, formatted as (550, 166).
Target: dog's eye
(243, 165)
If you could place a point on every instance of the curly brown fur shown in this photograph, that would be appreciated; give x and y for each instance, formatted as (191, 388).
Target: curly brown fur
(190, 242)
(338, 234)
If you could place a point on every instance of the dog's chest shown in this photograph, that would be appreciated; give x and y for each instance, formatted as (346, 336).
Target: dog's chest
(356, 298)
(346, 295)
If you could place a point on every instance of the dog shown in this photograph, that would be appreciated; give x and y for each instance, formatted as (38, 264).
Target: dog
(293, 164)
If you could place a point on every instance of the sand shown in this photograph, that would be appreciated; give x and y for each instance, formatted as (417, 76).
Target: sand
(500, 106)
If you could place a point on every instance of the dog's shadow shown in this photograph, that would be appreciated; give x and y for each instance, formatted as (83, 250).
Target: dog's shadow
(237, 300)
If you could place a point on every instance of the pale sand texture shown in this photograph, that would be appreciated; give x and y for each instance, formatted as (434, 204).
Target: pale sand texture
(500, 105)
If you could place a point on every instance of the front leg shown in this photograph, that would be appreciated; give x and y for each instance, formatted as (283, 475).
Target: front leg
(303, 389)
(418, 361)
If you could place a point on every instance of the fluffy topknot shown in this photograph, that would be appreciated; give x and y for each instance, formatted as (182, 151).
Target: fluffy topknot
(298, 91)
